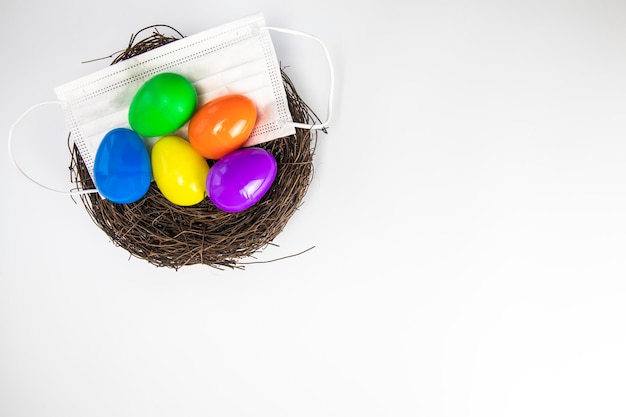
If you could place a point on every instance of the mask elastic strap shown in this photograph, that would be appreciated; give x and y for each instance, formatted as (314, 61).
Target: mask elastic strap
(331, 74)
(21, 171)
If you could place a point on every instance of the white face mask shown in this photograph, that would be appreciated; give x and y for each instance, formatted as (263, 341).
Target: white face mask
(237, 57)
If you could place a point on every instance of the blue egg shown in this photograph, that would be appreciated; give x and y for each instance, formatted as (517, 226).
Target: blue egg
(122, 170)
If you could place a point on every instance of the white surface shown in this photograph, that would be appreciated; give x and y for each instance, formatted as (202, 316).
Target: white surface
(467, 214)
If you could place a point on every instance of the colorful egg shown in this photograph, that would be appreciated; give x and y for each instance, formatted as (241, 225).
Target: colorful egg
(222, 125)
(162, 105)
(240, 179)
(122, 167)
(179, 171)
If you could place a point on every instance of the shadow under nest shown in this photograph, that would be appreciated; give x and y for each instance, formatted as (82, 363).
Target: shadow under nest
(167, 235)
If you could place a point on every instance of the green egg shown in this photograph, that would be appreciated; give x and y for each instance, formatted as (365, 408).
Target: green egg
(162, 105)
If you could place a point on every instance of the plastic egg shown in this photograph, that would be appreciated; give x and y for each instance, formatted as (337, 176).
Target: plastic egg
(240, 179)
(222, 125)
(162, 105)
(122, 167)
(179, 171)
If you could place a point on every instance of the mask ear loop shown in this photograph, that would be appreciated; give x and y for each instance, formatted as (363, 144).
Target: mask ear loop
(331, 88)
(20, 170)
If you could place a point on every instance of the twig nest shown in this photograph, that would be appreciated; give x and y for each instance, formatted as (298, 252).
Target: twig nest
(169, 235)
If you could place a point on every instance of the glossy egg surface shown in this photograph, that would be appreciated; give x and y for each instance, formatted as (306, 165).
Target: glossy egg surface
(222, 125)
(179, 171)
(122, 167)
(162, 105)
(240, 179)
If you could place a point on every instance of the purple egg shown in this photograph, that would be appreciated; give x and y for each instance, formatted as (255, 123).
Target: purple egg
(240, 179)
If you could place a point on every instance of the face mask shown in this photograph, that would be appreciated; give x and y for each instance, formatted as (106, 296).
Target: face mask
(237, 57)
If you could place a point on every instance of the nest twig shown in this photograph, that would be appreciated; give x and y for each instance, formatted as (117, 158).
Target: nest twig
(167, 235)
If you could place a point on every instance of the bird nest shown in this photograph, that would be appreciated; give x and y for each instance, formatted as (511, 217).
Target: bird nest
(167, 235)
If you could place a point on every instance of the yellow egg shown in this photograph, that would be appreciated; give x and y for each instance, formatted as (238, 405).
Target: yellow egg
(179, 171)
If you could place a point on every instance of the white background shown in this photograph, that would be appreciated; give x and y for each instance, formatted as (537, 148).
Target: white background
(467, 212)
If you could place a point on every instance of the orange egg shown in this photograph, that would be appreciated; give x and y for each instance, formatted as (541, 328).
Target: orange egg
(222, 125)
